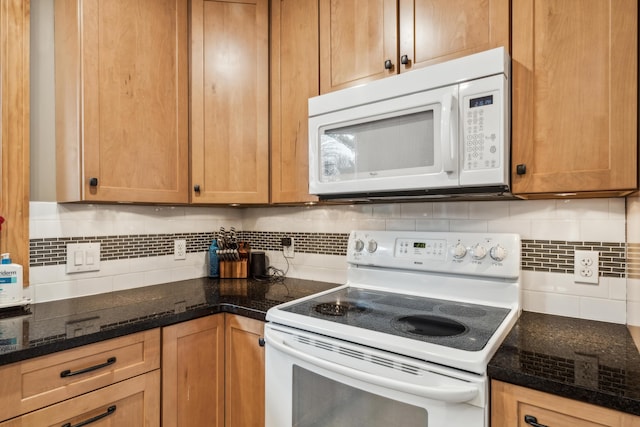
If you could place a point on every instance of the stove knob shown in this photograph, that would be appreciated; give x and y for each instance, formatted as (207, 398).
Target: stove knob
(372, 246)
(458, 251)
(359, 245)
(498, 253)
(478, 251)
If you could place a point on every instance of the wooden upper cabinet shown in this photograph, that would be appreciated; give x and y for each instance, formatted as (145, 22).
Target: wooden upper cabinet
(359, 39)
(574, 97)
(14, 130)
(230, 101)
(122, 100)
(356, 38)
(294, 79)
(433, 31)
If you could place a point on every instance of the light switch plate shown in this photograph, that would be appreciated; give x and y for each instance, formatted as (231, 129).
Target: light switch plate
(83, 257)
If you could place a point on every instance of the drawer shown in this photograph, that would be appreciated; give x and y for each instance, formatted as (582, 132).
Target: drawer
(133, 403)
(35, 383)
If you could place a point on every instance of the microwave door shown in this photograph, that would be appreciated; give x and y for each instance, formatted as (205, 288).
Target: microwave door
(399, 144)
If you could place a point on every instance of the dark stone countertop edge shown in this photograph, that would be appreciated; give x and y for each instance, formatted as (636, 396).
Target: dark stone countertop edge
(504, 367)
(127, 329)
(594, 397)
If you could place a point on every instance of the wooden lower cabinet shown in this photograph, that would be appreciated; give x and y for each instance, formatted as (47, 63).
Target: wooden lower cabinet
(512, 406)
(213, 372)
(133, 403)
(42, 381)
(193, 373)
(244, 371)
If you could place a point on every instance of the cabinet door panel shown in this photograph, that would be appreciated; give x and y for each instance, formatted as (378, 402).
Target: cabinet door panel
(574, 95)
(294, 79)
(433, 31)
(14, 130)
(121, 100)
(193, 373)
(356, 38)
(244, 390)
(230, 69)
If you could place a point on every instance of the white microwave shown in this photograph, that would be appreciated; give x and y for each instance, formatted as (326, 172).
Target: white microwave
(439, 130)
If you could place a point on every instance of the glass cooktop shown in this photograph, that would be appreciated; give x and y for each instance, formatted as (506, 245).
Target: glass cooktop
(449, 323)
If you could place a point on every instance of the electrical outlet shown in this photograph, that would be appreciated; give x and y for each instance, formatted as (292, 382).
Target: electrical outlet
(179, 249)
(288, 250)
(586, 267)
(586, 370)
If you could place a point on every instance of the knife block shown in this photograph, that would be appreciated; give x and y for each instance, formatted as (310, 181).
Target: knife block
(233, 269)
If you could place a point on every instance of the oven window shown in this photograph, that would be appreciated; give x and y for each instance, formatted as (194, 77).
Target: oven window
(385, 145)
(321, 402)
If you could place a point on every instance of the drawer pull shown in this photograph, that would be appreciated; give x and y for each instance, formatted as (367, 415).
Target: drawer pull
(69, 373)
(110, 410)
(533, 421)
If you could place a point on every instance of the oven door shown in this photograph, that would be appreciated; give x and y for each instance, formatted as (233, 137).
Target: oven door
(313, 380)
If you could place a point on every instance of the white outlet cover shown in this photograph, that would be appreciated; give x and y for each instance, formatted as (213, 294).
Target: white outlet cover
(289, 251)
(586, 267)
(179, 249)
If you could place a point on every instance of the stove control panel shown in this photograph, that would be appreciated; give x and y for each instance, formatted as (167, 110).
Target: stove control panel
(482, 254)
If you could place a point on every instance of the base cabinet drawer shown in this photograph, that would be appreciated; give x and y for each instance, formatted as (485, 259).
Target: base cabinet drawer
(42, 381)
(132, 403)
(515, 406)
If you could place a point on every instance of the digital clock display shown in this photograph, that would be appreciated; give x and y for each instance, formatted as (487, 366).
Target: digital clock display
(481, 102)
(420, 245)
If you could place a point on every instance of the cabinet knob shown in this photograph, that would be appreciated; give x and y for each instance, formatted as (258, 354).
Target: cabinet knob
(388, 64)
(404, 59)
(532, 421)
(261, 342)
(93, 182)
(521, 169)
(196, 188)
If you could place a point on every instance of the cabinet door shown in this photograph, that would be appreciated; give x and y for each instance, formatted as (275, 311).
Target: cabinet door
(294, 79)
(230, 101)
(244, 391)
(356, 38)
(574, 96)
(434, 31)
(193, 373)
(122, 100)
(510, 405)
(14, 130)
(134, 402)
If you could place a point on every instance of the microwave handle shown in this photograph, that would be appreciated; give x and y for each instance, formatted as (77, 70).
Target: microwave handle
(443, 394)
(448, 132)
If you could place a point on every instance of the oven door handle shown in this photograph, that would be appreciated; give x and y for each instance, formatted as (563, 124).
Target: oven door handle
(443, 394)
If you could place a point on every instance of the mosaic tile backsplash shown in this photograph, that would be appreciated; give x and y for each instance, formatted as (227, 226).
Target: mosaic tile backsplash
(551, 256)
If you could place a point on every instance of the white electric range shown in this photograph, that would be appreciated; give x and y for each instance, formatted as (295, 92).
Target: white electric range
(410, 333)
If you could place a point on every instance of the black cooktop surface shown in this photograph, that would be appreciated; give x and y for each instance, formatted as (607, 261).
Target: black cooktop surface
(449, 323)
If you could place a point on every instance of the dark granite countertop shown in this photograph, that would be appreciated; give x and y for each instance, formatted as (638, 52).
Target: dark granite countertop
(594, 362)
(60, 325)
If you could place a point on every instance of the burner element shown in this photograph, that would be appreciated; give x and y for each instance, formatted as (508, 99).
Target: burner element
(462, 310)
(338, 308)
(424, 324)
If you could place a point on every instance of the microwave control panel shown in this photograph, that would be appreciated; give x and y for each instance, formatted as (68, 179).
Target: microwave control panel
(481, 131)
